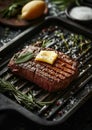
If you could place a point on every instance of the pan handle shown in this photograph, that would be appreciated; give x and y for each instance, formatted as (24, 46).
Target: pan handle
(5, 103)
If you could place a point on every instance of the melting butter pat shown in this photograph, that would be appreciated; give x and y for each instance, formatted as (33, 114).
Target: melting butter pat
(47, 56)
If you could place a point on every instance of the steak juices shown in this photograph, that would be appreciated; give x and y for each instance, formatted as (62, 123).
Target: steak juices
(49, 76)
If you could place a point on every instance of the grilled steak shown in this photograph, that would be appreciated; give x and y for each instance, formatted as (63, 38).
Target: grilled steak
(50, 77)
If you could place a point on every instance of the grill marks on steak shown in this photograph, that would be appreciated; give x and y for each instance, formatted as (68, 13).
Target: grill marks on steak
(50, 77)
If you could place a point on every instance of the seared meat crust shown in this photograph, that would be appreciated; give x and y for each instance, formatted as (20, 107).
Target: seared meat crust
(49, 77)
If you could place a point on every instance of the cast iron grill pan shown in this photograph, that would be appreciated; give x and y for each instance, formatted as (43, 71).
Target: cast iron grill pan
(57, 33)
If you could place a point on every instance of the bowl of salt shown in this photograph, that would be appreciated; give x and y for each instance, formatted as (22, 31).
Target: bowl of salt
(79, 13)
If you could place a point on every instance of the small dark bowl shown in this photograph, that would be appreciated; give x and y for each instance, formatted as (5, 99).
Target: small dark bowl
(84, 21)
(85, 2)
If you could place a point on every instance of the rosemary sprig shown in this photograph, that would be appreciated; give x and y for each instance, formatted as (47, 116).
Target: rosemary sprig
(28, 100)
(45, 43)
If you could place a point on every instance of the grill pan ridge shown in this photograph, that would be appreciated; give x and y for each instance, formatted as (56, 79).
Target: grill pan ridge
(66, 102)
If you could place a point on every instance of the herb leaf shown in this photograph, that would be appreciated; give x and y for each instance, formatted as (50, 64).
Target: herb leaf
(63, 4)
(13, 9)
(25, 57)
